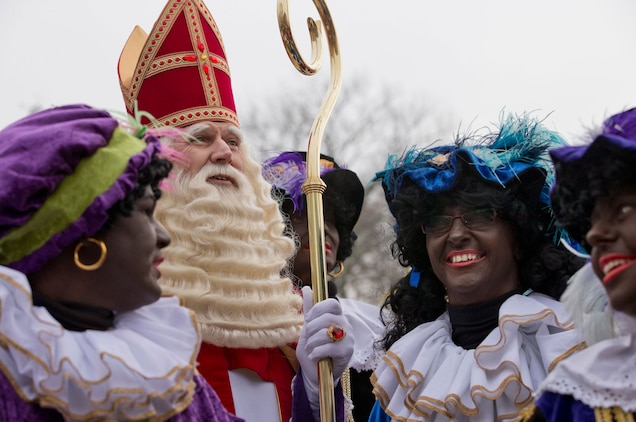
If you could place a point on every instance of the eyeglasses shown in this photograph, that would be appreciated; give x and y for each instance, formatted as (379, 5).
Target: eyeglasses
(438, 224)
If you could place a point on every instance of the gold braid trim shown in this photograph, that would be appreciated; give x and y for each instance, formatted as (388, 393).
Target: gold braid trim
(345, 380)
(526, 414)
(612, 414)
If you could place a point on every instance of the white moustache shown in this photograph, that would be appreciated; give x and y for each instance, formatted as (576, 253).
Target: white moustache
(212, 170)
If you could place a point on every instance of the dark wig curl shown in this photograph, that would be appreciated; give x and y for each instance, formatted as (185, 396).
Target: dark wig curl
(577, 189)
(151, 175)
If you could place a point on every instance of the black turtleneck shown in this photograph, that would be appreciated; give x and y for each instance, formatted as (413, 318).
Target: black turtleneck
(471, 324)
(75, 316)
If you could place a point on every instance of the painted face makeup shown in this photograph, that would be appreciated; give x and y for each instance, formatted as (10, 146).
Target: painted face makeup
(475, 262)
(612, 236)
(302, 266)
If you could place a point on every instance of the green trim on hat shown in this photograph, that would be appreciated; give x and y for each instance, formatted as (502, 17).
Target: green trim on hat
(92, 177)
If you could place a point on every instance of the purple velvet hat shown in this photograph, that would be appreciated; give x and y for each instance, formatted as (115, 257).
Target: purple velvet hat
(585, 173)
(61, 170)
(618, 134)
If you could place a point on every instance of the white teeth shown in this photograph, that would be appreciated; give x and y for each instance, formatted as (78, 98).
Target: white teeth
(613, 264)
(463, 258)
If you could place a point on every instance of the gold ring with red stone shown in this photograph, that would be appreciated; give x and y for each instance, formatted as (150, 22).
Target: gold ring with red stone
(336, 333)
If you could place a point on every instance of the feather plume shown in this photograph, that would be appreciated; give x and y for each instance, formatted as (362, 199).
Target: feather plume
(288, 171)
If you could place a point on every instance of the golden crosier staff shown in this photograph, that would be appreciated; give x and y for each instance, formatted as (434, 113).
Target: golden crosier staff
(313, 187)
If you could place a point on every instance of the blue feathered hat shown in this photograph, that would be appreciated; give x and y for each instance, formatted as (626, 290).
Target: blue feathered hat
(517, 150)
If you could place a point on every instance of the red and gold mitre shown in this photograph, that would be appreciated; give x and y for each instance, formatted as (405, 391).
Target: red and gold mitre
(178, 73)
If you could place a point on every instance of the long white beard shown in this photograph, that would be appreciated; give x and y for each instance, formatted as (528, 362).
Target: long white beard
(225, 260)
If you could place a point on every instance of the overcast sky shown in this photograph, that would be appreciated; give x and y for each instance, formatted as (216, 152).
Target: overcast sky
(572, 59)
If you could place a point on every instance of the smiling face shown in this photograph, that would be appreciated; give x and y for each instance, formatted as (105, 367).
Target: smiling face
(216, 143)
(302, 267)
(475, 265)
(612, 236)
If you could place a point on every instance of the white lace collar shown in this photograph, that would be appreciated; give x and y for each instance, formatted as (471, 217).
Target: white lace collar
(142, 369)
(603, 375)
(425, 376)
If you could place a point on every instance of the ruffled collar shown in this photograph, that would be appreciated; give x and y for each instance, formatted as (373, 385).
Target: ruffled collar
(425, 376)
(603, 375)
(142, 369)
(472, 323)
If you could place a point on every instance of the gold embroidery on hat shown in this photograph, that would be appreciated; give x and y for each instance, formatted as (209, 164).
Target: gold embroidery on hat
(439, 159)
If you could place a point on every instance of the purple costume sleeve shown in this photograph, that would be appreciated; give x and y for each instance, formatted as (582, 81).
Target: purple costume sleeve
(206, 406)
(301, 409)
(557, 408)
(13, 408)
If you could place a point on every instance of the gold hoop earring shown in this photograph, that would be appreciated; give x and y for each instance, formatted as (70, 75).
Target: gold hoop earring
(100, 261)
(340, 271)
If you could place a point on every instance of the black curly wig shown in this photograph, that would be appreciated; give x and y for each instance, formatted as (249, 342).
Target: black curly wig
(579, 185)
(151, 175)
(544, 266)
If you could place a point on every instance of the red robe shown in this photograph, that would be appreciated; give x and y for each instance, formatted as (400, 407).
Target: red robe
(271, 364)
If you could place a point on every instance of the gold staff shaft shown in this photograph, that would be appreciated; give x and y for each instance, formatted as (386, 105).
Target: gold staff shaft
(314, 187)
